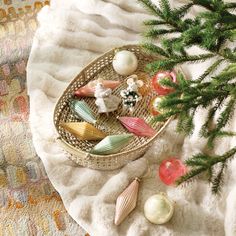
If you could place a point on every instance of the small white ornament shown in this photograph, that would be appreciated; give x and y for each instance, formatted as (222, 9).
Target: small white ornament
(125, 62)
(105, 101)
(159, 209)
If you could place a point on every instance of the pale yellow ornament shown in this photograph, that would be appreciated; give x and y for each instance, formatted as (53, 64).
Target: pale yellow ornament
(159, 209)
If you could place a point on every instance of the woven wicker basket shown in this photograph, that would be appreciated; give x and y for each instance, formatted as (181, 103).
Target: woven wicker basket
(79, 150)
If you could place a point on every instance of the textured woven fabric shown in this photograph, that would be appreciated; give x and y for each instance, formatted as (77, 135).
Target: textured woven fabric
(71, 33)
(29, 203)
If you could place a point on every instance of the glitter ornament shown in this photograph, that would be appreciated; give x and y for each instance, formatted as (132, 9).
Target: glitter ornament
(162, 90)
(82, 111)
(158, 209)
(89, 89)
(137, 126)
(111, 144)
(125, 62)
(105, 101)
(170, 170)
(154, 109)
(84, 130)
(131, 95)
(126, 202)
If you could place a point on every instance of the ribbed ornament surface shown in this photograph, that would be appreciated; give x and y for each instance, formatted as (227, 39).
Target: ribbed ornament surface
(126, 202)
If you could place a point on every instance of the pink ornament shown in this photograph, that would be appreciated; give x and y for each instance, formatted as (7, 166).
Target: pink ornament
(89, 89)
(137, 126)
(162, 90)
(170, 170)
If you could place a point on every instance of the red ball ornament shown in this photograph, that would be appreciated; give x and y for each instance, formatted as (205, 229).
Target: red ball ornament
(170, 170)
(163, 90)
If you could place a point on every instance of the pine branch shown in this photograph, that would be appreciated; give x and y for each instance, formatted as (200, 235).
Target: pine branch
(211, 29)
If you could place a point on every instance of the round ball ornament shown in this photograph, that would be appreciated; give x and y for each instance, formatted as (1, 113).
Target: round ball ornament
(163, 90)
(154, 106)
(170, 170)
(125, 62)
(159, 209)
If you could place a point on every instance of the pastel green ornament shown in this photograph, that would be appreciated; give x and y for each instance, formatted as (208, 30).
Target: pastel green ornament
(82, 111)
(111, 144)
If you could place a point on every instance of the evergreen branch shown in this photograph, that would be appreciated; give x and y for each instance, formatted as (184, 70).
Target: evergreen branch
(198, 167)
(154, 22)
(210, 69)
(152, 48)
(181, 11)
(231, 5)
(153, 9)
(218, 179)
(153, 33)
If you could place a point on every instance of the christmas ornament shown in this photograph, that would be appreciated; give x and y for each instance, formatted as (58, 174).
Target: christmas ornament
(82, 111)
(126, 202)
(145, 89)
(131, 95)
(162, 90)
(105, 101)
(138, 126)
(84, 130)
(154, 109)
(89, 89)
(111, 144)
(170, 170)
(158, 209)
(125, 62)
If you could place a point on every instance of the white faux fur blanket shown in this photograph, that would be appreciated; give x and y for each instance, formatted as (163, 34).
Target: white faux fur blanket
(70, 35)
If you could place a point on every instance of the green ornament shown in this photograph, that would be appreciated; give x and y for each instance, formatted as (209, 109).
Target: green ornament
(111, 144)
(82, 111)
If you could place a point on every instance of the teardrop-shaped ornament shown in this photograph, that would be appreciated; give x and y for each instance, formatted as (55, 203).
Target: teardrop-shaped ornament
(126, 202)
(84, 130)
(111, 144)
(137, 126)
(82, 111)
(89, 89)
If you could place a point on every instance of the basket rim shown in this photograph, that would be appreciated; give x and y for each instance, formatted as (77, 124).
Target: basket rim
(127, 46)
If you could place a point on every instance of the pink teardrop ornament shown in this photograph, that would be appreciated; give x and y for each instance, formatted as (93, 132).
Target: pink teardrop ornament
(126, 202)
(137, 126)
(89, 89)
(170, 170)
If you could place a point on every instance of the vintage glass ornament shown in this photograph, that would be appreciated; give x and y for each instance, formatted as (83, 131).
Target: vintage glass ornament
(145, 89)
(125, 62)
(126, 202)
(84, 130)
(89, 89)
(170, 170)
(137, 126)
(153, 107)
(162, 90)
(111, 144)
(159, 209)
(82, 111)
(131, 95)
(105, 100)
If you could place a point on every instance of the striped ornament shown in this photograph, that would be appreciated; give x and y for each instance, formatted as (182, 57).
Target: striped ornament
(82, 111)
(111, 144)
(137, 126)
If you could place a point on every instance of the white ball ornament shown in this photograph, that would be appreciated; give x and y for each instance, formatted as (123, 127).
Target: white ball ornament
(158, 209)
(125, 62)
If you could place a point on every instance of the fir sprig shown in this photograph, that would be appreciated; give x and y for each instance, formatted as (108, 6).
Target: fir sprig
(210, 30)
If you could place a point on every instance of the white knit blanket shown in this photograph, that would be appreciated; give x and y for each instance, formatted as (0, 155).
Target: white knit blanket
(70, 35)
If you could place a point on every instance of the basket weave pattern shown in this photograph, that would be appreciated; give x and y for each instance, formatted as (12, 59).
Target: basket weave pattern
(79, 150)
